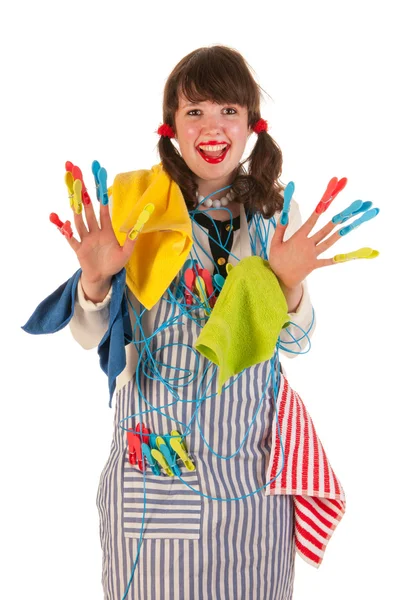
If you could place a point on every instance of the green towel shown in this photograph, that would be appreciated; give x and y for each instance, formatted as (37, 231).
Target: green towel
(246, 320)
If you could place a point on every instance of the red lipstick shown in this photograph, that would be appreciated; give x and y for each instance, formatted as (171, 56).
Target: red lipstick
(213, 159)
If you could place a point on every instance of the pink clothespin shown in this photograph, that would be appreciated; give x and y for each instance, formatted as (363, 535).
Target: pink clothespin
(189, 279)
(334, 187)
(65, 228)
(135, 445)
(77, 174)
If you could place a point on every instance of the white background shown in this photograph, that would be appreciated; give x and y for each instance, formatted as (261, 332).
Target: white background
(83, 81)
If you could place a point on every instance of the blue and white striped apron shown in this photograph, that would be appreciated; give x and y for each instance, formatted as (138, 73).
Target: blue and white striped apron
(194, 548)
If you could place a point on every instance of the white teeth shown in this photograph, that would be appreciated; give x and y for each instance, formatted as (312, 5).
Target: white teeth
(217, 148)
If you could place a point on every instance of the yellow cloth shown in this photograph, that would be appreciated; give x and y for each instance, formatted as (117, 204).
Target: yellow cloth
(166, 239)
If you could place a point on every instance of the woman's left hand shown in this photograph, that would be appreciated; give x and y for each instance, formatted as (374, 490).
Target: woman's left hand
(294, 259)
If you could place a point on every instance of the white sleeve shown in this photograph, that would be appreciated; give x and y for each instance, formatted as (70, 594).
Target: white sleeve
(90, 320)
(294, 337)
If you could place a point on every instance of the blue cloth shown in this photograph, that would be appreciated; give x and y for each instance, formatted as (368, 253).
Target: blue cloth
(56, 311)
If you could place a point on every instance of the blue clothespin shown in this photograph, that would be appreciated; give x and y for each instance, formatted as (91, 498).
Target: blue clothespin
(370, 214)
(100, 178)
(153, 465)
(169, 456)
(357, 207)
(287, 198)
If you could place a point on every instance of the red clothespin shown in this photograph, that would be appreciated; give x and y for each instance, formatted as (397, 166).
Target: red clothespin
(134, 445)
(77, 174)
(206, 276)
(334, 187)
(65, 228)
(189, 279)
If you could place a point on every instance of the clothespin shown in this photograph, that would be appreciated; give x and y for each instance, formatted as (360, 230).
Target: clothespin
(146, 451)
(201, 290)
(141, 221)
(77, 174)
(332, 190)
(206, 276)
(219, 281)
(357, 207)
(361, 253)
(189, 278)
(178, 445)
(65, 228)
(135, 445)
(166, 452)
(370, 214)
(100, 178)
(287, 198)
(155, 452)
(74, 189)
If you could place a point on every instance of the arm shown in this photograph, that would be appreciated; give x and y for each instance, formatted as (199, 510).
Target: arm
(299, 303)
(90, 320)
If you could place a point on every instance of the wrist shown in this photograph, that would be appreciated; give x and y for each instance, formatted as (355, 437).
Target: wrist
(293, 295)
(95, 291)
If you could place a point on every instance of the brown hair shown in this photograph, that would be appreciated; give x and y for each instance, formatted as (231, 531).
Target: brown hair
(220, 74)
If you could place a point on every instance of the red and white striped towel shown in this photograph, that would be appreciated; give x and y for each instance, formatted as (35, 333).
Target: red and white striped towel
(319, 500)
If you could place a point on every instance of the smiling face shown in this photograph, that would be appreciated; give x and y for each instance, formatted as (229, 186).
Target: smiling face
(212, 138)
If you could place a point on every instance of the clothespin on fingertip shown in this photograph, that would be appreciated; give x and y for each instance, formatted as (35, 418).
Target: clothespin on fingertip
(100, 178)
(74, 187)
(287, 198)
(332, 190)
(77, 174)
(65, 228)
(141, 221)
(361, 253)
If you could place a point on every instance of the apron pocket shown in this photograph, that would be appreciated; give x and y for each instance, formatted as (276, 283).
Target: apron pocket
(173, 510)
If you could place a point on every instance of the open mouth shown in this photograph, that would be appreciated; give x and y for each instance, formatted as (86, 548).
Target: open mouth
(214, 153)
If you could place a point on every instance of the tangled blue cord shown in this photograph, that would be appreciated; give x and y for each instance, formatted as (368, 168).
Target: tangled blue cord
(180, 313)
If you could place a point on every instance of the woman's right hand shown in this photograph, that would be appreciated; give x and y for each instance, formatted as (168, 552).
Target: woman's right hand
(99, 253)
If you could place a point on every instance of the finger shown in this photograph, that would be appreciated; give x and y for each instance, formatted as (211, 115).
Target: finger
(324, 262)
(279, 234)
(320, 248)
(91, 218)
(66, 230)
(105, 217)
(322, 233)
(80, 225)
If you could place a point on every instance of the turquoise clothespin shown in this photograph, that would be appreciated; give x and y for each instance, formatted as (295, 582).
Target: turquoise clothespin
(357, 207)
(370, 214)
(153, 465)
(166, 452)
(100, 178)
(218, 281)
(287, 198)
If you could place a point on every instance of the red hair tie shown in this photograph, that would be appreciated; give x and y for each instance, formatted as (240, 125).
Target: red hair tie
(166, 131)
(260, 126)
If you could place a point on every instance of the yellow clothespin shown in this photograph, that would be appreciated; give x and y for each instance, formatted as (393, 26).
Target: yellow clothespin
(229, 267)
(361, 253)
(69, 182)
(201, 290)
(142, 220)
(178, 445)
(158, 455)
(77, 196)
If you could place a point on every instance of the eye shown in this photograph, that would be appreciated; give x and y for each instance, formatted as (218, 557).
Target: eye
(195, 110)
(232, 109)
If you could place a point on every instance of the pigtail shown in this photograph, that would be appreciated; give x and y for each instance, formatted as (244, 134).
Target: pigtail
(177, 169)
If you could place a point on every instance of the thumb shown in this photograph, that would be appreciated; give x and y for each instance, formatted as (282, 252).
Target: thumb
(279, 233)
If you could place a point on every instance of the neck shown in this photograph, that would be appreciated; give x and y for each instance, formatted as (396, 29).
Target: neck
(206, 187)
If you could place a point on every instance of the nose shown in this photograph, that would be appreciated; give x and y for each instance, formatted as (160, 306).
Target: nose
(212, 125)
